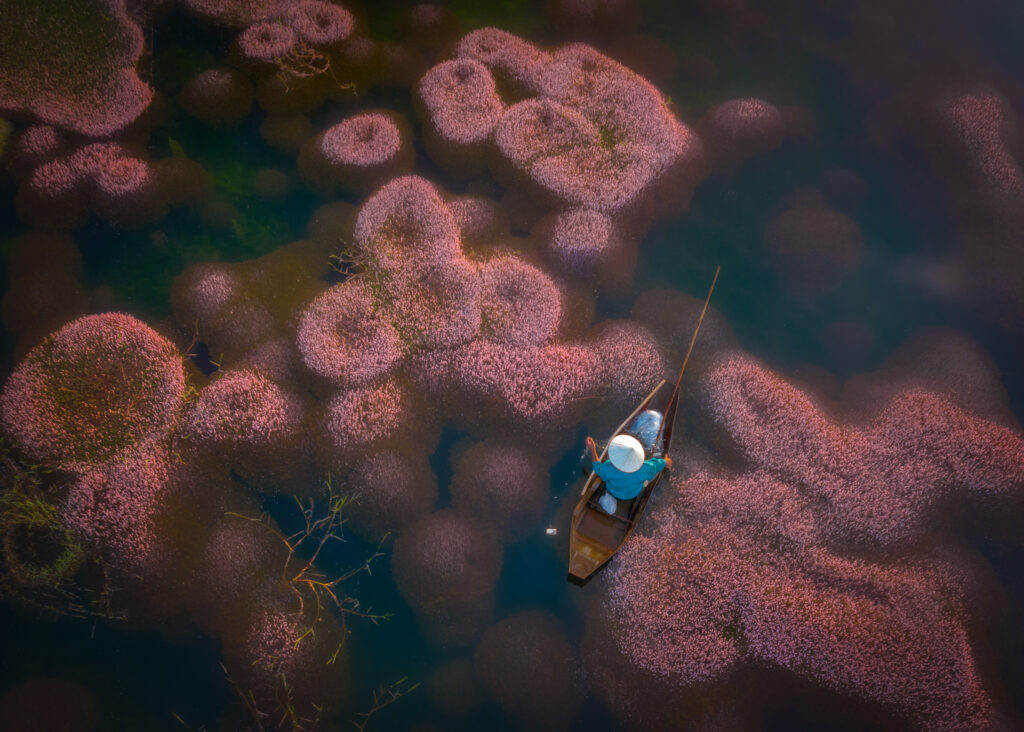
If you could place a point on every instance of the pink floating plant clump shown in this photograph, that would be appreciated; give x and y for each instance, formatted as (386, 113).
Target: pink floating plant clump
(740, 129)
(392, 490)
(218, 97)
(985, 125)
(481, 221)
(237, 13)
(117, 183)
(503, 485)
(52, 196)
(238, 559)
(459, 105)
(282, 666)
(535, 390)
(234, 308)
(99, 387)
(513, 60)
(405, 225)
(632, 360)
(437, 307)
(117, 511)
(586, 244)
(262, 45)
(814, 248)
(344, 340)
(76, 67)
(520, 305)
(586, 132)
(408, 242)
(373, 417)
(943, 361)
(202, 291)
(925, 453)
(525, 663)
(646, 158)
(675, 333)
(32, 148)
(733, 573)
(895, 646)
(248, 421)
(750, 402)
(124, 189)
(320, 24)
(681, 640)
(445, 566)
(544, 132)
(884, 482)
(357, 154)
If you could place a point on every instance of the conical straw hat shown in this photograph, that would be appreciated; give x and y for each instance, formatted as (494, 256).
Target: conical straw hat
(626, 453)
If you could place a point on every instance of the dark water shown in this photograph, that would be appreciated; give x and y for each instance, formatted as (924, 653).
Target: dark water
(169, 678)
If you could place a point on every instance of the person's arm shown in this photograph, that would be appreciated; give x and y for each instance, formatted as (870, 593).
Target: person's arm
(656, 465)
(592, 446)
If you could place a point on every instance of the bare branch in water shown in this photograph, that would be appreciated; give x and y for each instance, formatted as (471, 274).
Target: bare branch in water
(384, 697)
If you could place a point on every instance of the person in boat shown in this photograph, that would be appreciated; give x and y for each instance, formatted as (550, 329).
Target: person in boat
(626, 473)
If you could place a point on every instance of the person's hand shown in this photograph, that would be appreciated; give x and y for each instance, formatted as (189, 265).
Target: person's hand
(668, 462)
(590, 441)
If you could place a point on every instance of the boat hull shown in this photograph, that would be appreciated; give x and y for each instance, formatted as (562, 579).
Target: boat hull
(595, 535)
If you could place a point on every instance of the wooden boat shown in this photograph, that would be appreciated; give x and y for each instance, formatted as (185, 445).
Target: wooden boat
(595, 536)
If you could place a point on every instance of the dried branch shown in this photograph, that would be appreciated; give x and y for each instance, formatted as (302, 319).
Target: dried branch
(384, 697)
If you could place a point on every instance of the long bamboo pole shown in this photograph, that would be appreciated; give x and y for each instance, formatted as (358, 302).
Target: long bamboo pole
(693, 339)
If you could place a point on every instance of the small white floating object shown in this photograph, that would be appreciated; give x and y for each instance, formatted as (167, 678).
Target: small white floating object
(551, 531)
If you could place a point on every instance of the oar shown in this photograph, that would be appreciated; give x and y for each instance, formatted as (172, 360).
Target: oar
(693, 339)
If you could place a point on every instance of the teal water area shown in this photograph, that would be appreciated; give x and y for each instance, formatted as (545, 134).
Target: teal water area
(172, 680)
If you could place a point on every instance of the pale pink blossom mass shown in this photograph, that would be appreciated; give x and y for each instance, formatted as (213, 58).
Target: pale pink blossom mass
(343, 337)
(98, 387)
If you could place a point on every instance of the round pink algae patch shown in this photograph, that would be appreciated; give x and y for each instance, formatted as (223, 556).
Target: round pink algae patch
(319, 23)
(357, 154)
(502, 485)
(459, 105)
(244, 410)
(266, 42)
(343, 338)
(72, 64)
(519, 303)
(100, 385)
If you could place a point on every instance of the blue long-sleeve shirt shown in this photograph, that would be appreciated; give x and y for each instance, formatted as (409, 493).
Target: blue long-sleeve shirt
(628, 485)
